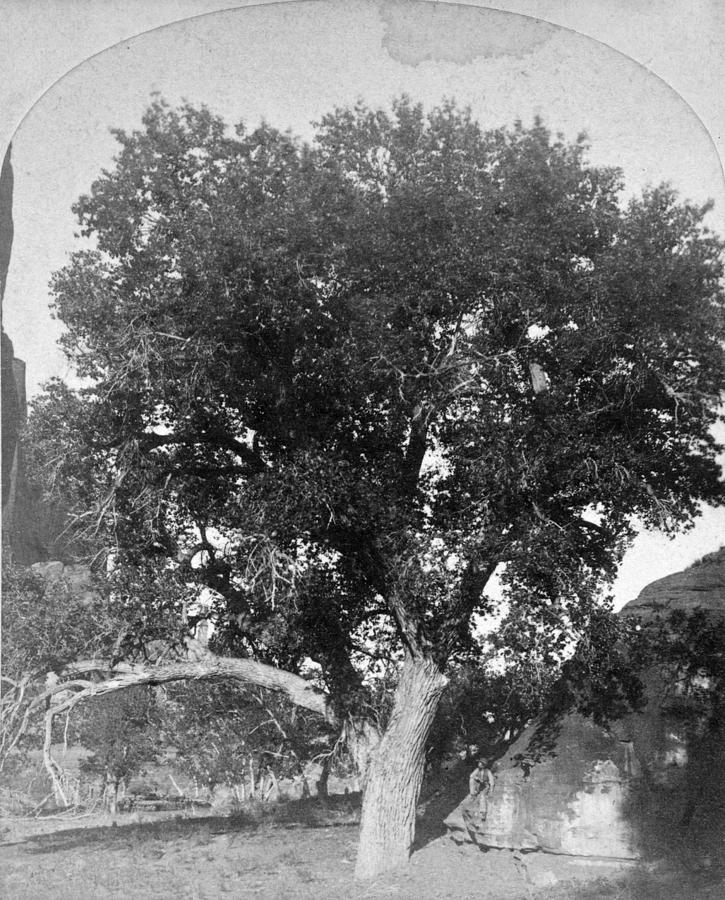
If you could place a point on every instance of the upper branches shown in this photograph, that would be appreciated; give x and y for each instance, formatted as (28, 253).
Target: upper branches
(411, 349)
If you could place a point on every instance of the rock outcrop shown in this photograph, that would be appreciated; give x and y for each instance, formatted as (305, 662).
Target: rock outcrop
(13, 381)
(572, 802)
(628, 791)
(702, 586)
(31, 528)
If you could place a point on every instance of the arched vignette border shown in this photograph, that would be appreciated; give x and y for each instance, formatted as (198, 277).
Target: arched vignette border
(379, 6)
(288, 3)
(5, 140)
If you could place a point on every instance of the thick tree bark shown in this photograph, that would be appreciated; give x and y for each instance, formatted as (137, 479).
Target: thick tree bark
(395, 774)
(361, 737)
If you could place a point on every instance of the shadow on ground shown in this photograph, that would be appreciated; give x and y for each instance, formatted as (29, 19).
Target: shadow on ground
(305, 814)
(439, 799)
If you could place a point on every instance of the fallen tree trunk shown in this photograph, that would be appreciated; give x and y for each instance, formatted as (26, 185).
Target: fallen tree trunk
(118, 677)
(92, 678)
(209, 667)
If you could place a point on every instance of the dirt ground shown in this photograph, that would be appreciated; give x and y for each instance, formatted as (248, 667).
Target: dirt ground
(303, 852)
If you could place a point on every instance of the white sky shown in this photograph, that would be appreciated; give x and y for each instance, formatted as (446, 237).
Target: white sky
(291, 62)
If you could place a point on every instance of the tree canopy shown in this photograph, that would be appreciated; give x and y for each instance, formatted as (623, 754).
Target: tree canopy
(341, 384)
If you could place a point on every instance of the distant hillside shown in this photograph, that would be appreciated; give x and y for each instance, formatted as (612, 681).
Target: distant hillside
(701, 586)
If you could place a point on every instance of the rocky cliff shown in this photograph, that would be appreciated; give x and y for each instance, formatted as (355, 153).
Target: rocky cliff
(649, 782)
(30, 528)
(702, 586)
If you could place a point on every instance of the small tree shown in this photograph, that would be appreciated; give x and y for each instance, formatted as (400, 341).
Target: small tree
(122, 733)
(46, 625)
(341, 385)
(223, 736)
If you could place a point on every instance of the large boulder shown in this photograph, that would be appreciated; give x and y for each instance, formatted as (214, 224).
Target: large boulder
(573, 801)
(633, 789)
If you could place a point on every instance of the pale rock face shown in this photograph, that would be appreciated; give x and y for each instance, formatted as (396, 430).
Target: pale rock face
(566, 804)
(622, 792)
(598, 825)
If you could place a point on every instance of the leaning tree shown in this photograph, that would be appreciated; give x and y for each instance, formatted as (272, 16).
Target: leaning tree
(342, 384)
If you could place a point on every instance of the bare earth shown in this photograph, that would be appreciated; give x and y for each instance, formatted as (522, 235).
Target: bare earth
(306, 853)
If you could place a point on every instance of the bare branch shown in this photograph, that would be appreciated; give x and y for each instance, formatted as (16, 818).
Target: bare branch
(121, 676)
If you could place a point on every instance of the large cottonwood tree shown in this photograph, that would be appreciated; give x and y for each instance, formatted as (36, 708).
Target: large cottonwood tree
(350, 380)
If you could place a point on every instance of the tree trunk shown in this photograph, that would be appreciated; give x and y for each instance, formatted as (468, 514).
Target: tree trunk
(273, 787)
(361, 737)
(322, 781)
(395, 774)
(111, 793)
(252, 784)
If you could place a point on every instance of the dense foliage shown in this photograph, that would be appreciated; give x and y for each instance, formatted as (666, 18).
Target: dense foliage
(381, 366)
(339, 385)
(223, 736)
(122, 734)
(45, 625)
